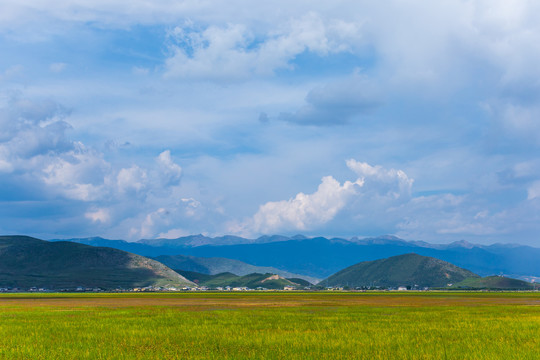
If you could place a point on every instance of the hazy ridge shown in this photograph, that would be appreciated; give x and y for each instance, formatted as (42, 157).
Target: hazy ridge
(321, 257)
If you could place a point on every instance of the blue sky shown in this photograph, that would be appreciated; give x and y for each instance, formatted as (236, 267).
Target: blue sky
(139, 119)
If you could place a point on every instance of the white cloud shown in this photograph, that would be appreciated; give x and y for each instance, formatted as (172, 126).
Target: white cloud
(99, 215)
(153, 219)
(166, 221)
(78, 175)
(191, 206)
(416, 41)
(234, 53)
(307, 212)
(44, 162)
(169, 172)
(389, 183)
(131, 180)
(304, 211)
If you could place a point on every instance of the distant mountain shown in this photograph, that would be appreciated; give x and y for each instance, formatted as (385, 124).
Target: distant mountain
(401, 270)
(27, 262)
(216, 265)
(196, 240)
(494, 283)
(320, 257)
(252, 281)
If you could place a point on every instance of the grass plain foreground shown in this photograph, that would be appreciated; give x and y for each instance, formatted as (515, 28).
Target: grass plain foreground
(274, 325)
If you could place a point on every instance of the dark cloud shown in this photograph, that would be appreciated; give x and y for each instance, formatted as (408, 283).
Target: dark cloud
(336, 103)
(263, 117)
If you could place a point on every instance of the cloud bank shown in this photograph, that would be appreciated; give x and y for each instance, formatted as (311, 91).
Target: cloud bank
(162, 118)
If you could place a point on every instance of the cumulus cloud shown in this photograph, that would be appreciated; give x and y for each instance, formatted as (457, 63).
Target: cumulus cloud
(305, 210)
(235, 53)
(98, 215)
(32, 134)
(37, 152)
(165, 221)
(312, 211)
(160, 216)
(381, 200)
(390, 183)
(131, 180)
(416, 41)
(191, 206)
(77, 175)
(41, 121)
(169, 171)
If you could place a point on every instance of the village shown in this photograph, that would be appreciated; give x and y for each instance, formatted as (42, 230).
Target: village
(83, 289)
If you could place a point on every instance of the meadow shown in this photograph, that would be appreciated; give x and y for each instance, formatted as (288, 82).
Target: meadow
(274, 325)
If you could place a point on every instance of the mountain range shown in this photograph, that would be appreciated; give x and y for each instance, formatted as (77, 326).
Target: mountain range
(29, 262)
(321, 257)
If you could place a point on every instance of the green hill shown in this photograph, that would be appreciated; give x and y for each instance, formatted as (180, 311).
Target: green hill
(401, 270)
(252, 281)
(493, 283)
(217, 265)
(28, 262)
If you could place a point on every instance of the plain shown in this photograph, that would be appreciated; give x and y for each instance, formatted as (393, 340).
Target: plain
(271, 325)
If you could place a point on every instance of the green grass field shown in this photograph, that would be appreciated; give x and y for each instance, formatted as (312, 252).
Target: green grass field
(438, 325)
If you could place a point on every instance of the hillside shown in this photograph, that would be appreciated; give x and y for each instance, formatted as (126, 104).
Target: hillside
(252, 281)
(217, 265)
(401, 270)
(27, 262)
(493, 283)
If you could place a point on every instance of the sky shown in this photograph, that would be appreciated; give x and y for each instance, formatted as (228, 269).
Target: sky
(146, 119)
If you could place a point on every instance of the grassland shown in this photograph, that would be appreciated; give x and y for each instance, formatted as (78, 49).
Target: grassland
(445, 325)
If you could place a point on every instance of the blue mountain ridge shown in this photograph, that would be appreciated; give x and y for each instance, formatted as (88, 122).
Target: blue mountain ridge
(320, 257)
